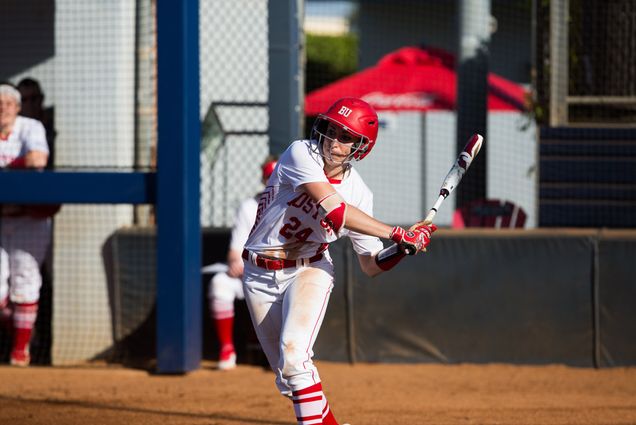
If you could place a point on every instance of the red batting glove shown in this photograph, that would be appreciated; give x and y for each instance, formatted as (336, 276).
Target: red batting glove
(427, 230)
(413, 241)
(410, 241)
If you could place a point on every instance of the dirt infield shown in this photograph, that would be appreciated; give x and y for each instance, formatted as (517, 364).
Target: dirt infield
(363, 394)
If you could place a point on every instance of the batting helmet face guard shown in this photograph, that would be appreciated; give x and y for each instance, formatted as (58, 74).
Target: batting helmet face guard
(356, 117)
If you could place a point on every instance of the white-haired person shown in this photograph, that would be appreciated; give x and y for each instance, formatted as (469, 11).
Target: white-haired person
(314, 197)
(25, 233)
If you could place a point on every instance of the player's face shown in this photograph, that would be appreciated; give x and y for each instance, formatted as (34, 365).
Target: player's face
(8, 109)
(339, 144)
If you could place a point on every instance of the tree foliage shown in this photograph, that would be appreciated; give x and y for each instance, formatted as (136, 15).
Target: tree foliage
(329, 58)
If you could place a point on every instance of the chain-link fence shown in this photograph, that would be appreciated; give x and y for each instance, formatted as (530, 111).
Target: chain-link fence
(595, 83)
(585, 103)
(560, 128)
(234, 93)
(92, 65)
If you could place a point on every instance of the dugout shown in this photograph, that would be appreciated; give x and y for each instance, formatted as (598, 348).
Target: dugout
(478, 295)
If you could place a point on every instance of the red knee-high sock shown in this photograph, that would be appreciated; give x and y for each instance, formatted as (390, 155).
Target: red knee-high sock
(327, 415)
(311, 406)
(224, 331)
(24, 316)
(329, 418)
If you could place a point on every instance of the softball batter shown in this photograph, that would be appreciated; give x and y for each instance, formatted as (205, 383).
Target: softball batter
(314, 197)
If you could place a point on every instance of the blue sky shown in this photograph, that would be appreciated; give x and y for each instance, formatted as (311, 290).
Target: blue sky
(327, 8)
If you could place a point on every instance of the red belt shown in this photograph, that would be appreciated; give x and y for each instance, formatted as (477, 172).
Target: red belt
(271, 264)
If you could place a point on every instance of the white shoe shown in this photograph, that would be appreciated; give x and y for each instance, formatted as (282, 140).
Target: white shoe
(228, 363)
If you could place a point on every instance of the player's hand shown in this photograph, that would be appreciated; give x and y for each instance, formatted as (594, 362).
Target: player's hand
(427, 229)
(235, 267)
(412, 241)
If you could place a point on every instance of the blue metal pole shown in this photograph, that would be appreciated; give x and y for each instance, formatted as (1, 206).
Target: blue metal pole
(74, 187)
(178, 228)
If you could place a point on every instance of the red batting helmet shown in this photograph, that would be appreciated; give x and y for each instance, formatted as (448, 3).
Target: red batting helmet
(354, 115)
(268, 169)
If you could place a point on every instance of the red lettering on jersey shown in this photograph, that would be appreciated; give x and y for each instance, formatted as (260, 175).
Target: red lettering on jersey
(310, 204)
(302, 235)
(289, 230)
(299, 200)
(303, 202)
(264, 199)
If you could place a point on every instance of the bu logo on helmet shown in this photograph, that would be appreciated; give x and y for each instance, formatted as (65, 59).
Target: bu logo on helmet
(344, 111)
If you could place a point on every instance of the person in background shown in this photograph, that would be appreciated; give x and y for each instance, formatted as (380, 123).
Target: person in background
(33, 107)
(226, 286)
(25, 230)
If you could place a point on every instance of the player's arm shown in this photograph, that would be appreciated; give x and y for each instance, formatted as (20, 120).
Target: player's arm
(342, 214)
(32, 159)
(243, 222)
(36, 159)
(339, 214)
(36, 147)
(369, 266)
(234, 263)
(389, 257)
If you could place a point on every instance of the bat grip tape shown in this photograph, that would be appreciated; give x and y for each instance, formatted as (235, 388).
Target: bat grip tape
(388, 258)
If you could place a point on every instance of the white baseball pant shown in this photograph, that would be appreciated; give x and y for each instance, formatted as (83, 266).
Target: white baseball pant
(222, 292)
(287, 308)
(24, 244)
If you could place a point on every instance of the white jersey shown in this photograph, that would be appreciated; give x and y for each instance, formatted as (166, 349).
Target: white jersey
(243, 222)
(27, 135)
(288, 224)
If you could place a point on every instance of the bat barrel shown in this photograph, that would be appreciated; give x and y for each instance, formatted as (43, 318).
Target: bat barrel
(474, 145)
(456, 173)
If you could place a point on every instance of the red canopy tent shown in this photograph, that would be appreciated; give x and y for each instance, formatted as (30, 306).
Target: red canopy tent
(413, 79)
